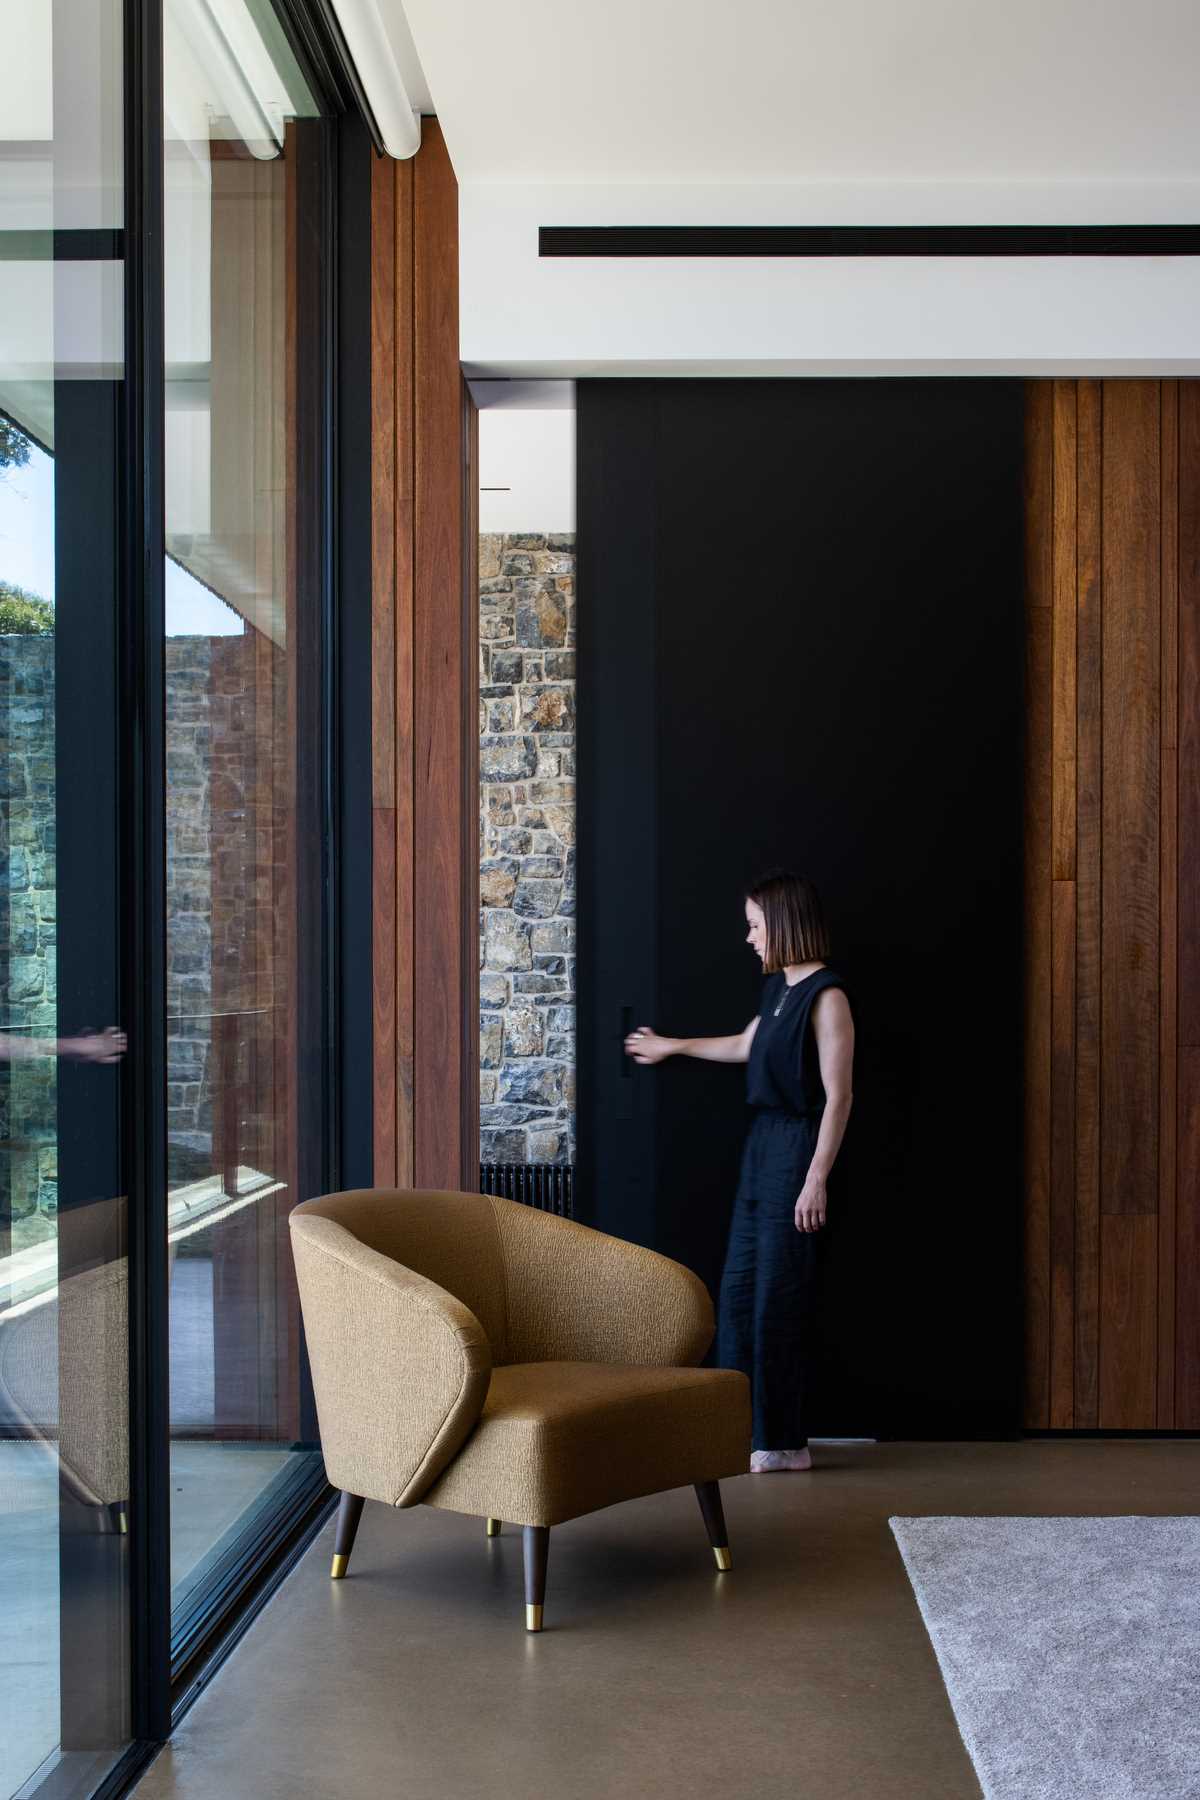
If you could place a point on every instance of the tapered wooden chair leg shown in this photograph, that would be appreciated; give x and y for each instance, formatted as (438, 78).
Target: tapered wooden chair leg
(708, 1493)
(349, 1513)
(537, 1551)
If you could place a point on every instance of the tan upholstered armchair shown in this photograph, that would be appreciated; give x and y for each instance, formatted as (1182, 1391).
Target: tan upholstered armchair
(474, 1354)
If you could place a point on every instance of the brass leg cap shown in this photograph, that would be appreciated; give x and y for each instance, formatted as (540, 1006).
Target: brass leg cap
(723, 1558)
(339, 1568)
(533, 1618)
(493, 1528)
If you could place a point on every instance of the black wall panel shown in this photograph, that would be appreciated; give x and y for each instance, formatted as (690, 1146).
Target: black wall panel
(800, 610)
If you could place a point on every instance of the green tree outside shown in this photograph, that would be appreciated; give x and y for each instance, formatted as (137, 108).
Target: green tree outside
(20, 611)
(23, 612)
(14, 445)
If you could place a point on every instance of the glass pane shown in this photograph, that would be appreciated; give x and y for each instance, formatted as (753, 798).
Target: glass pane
(237, 832)
(64, 1617)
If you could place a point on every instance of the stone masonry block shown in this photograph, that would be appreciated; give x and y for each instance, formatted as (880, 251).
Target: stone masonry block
(537, 899)
(489, 554)
(538, 983)
(547, 708)
(552, 793)
(513, 842)
(547, 1146)
(561, 821)
(502, 1146)
(494, 990)
(542, 619)
(524, 1030)
(537, 1084)
(497, 882)
(556, 935)
(507, 758)
(507, 942)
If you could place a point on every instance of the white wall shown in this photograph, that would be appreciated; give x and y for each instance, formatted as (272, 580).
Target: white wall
(522, 316)
(527, 462)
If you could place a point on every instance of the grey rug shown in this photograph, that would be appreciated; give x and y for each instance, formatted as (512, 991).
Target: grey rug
(1070, 1649)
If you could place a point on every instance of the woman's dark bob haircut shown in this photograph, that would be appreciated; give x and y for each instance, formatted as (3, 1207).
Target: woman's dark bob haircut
(795, 920)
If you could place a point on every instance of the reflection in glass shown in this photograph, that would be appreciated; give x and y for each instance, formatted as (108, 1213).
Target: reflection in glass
(234, 822)
(64, 1377)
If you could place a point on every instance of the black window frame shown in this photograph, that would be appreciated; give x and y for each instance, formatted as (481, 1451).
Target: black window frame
(335, 433)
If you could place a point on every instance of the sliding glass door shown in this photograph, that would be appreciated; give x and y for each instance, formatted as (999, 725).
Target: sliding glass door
(65, 1628)
(242, 182)
(167, 244)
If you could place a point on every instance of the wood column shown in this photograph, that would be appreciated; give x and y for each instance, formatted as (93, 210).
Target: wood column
(424, 655)
(1112, 919)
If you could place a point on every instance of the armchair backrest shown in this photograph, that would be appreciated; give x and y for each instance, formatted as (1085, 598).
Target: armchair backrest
(451, 1239)
(400, 1363)
(578, 1295)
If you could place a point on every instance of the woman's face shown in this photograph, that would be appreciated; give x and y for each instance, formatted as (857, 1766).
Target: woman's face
(756, 929)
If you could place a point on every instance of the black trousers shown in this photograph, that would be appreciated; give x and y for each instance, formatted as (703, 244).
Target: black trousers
(766, 1315)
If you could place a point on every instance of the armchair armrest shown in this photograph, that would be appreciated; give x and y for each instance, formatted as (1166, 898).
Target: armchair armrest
(577, 1295)
(400, 1367)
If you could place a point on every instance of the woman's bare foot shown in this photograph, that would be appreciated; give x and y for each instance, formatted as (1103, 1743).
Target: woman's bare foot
(770, 1462)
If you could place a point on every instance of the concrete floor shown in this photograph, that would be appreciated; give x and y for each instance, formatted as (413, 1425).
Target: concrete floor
(214, 1489)
(805, 1670)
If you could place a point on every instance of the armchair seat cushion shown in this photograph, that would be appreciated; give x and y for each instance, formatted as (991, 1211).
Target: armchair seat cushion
(557, 1439)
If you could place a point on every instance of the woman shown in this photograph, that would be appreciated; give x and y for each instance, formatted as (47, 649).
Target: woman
(800, 1052)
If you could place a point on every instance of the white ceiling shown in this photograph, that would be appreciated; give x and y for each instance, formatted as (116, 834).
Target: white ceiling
(658, 91)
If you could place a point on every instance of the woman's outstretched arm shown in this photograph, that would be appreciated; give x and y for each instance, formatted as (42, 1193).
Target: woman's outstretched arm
(648, 1046)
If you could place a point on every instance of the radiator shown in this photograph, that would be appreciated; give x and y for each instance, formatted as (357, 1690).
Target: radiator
(548, 1186)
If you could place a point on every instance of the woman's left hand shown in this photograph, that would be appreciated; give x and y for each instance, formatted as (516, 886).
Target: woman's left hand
(810, 1207)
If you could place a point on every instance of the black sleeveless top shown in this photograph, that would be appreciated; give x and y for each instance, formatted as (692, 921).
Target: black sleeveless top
(784, 1071)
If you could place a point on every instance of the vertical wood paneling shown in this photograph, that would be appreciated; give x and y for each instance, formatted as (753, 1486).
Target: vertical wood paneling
(1187, 1232)
(1128, 1338)
(403, 386)
(1189, 714)
(1187, 1288)
(439, 681)
(1168, 901)
(1062, 1157)
(1088, 755)
(425, 858)
(1112, 887)
(383, 679)
(1062, 909)
(470, 852)
(1129, 1320)
(1063, 589)
(1039, 469)
(1129, 1030)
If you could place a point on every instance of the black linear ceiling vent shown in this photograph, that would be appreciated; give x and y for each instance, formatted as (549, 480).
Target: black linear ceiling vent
(868, 240)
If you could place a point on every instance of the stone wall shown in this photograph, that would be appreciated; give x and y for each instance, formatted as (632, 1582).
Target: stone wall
(189, 662)
(527, 848)
(229, 805)
(28, 970)
(28, 988)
